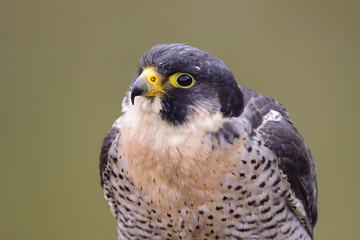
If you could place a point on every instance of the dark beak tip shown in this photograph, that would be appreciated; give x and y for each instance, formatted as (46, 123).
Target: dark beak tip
(136, 92)
(132, 99)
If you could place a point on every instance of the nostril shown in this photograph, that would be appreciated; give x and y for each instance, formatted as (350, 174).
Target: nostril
(153, 78)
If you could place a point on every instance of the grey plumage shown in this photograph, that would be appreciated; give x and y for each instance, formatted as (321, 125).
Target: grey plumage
(222, 171)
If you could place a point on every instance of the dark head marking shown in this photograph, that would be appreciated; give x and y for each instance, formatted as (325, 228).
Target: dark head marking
(215, 84)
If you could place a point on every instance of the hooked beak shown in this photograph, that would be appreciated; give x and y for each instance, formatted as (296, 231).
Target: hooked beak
(140, 87)
(147, 84)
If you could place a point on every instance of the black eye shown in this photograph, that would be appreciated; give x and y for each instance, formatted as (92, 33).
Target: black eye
(184, 80)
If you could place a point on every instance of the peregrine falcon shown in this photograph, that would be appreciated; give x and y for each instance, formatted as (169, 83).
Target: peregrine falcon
(196, 156)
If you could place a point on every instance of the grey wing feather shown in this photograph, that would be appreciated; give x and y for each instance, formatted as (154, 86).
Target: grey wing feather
(104, 153)
(285, 141)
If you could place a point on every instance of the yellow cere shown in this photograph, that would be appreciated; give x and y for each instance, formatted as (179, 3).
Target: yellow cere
(154, 79)
(174, 80)
(151, 75)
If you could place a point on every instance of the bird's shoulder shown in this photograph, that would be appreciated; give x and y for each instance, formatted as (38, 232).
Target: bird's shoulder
(271, 121)
(112, 134)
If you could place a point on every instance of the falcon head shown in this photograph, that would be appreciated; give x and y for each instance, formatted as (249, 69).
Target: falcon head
(179, 82)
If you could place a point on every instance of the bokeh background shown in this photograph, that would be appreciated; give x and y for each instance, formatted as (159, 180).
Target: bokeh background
(65, 66)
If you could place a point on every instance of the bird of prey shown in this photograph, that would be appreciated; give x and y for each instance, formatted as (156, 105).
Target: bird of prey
(196, 156)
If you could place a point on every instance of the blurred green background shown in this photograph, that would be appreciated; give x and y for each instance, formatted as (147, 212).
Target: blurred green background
(65, 66)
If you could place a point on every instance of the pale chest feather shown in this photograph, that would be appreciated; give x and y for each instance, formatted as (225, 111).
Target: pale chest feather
(180, 161)
(197, 183)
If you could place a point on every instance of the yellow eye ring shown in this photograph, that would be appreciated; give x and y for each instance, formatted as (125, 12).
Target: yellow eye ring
(182, 80)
